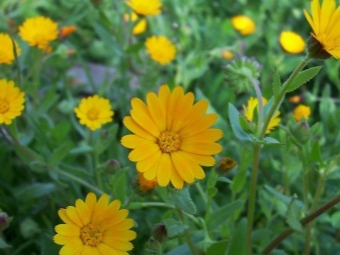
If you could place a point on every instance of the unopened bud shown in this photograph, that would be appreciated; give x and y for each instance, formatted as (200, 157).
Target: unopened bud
(111, 166)
(301, 132)
(225, 166)
(159, 233)
(143, 186)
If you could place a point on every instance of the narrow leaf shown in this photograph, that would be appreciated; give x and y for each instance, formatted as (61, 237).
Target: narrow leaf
(303, 77)
(238, 243)
(235, 124)
(276, 83)
(293, 215)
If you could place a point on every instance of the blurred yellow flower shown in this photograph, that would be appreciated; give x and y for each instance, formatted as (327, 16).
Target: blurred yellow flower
(227, 54)
(145, 185)
(294, 99)
(66, 31)
(292, 42)
(243, 24)
(172, 137)
(94, 227)
(94, 111)
(145, 7)
(249, 113)
(140, 27)
(161, 49)
(6, 49)
(39, 31)
(11, 101)
(301, 111)
(324, 21)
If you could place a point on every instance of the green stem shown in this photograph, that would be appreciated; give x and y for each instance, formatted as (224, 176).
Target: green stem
(138, 205)
(303, 222)
(252, 196)
(186, 234)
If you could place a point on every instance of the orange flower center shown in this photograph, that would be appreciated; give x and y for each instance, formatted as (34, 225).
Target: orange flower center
(4, 106)
(168, 141)
(91, 235)
(92, 114)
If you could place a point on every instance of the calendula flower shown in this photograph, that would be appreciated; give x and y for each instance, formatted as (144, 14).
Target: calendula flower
(161, 49)
(172, 137)
(6, 49)
(253, 105)
(11, 101)
(146, 185)
(292, 42)
(301, 111)
(145, 8)
(140, 27)
(243, 24)
(94, 111)
(94, 227)
(227, 54)
(66, 31)
(324, 21)
(39, 31)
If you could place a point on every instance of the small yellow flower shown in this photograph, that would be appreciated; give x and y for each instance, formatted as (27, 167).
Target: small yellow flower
(161, 49)
(295, 99)
(243, 24)
(6, 49)
(227, 54)
(145, 7)
(145, 185)
(301, 111)
(292, 42)
(94, 227)
(94, 111)
(324, 21)
(11, 101)
(172, 137)
(39, 31)
(249, 113)
(140, 27)
(66, 31)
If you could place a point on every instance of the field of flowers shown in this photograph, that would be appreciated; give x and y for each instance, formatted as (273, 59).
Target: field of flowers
(169, 127)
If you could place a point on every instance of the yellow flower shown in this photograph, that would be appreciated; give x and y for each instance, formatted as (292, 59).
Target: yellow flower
(146, 185)
(39, 31)
(94, 111)
(301, 111)
(292, 42)
(161, 49)
(172, 138)
(249, 113)
(140, 27)
(227, 54)
(11, 101)
(6, 49)
(145, 7)
(94, 227)
(325, 21)
(243, 24)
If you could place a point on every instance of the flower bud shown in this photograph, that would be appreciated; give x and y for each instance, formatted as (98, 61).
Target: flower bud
(111, 166)
(159, 233)
(4, 221)
(316, 49)
(143, 186)
(225, 166)
(301, 132)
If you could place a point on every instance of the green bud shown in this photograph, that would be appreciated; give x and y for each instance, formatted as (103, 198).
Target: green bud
(159, 233)
(316, 49)
(301, 132)
(111, 166)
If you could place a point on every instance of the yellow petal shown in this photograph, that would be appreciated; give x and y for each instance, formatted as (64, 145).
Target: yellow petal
(63, 215)
(115, 219)
(164, 170)
(182, 167)
(91, 201)
(117, 244)
(315, 5)
(73, 248)
(126, 235)
(143, 152)
(182, 112)
(100, 208)
(156, 111)
(83, 211)
(73, 215)
(208, 135)
(134, 141)
(145, 164)
(195, 168)
(62, 240)
(67, 230)
(89, 250)
(203, 148)
(175, 97)
(202, 124)
(327, 10)
(136, 129)
(176, 179)
(106, 250)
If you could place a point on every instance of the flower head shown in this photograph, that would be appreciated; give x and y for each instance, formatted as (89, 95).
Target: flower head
(94, 227)
(11, 101)
(66, 31)
(301, 111)
(145, 8)
(249, 113)
(243, 24)
(172, 138)
(140, 27)
(94, 111)
(6, 49)
(161, 49)
(292, 42)
(324, 20)
(39, 31)
(145, 185)
(227, 54)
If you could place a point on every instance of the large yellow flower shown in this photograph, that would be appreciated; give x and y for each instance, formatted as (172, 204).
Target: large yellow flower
(292, 42)
(243, 24)
(11, 101)
(145, 7)
(94, 111)
(172, 138)
(252, 106)
(301, 111)
(161, 49)
(325, 21)
(94, 227)
(6, 49)
(39, 32)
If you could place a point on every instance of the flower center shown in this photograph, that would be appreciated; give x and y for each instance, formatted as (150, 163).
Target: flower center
(92, 114)
(4, 106)
(168, 141)
(91, 235)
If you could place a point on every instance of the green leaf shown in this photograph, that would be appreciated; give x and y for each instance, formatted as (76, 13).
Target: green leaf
(239, 181)
(276, 83)
(282, 197)
(218, 248)
(270, 140)
(119, 185)
(211, 192)
(174, 228)
(4, 245)
(303, 77)
(238, 243)
(59, 153)
(35, 190)
(315, 153)
(235, 124)
(224, 179)
(182, 200)
(293, 215)
(48, 100)
(220, 215)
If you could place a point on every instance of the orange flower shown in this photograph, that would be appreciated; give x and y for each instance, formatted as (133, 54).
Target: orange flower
(66, 31)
